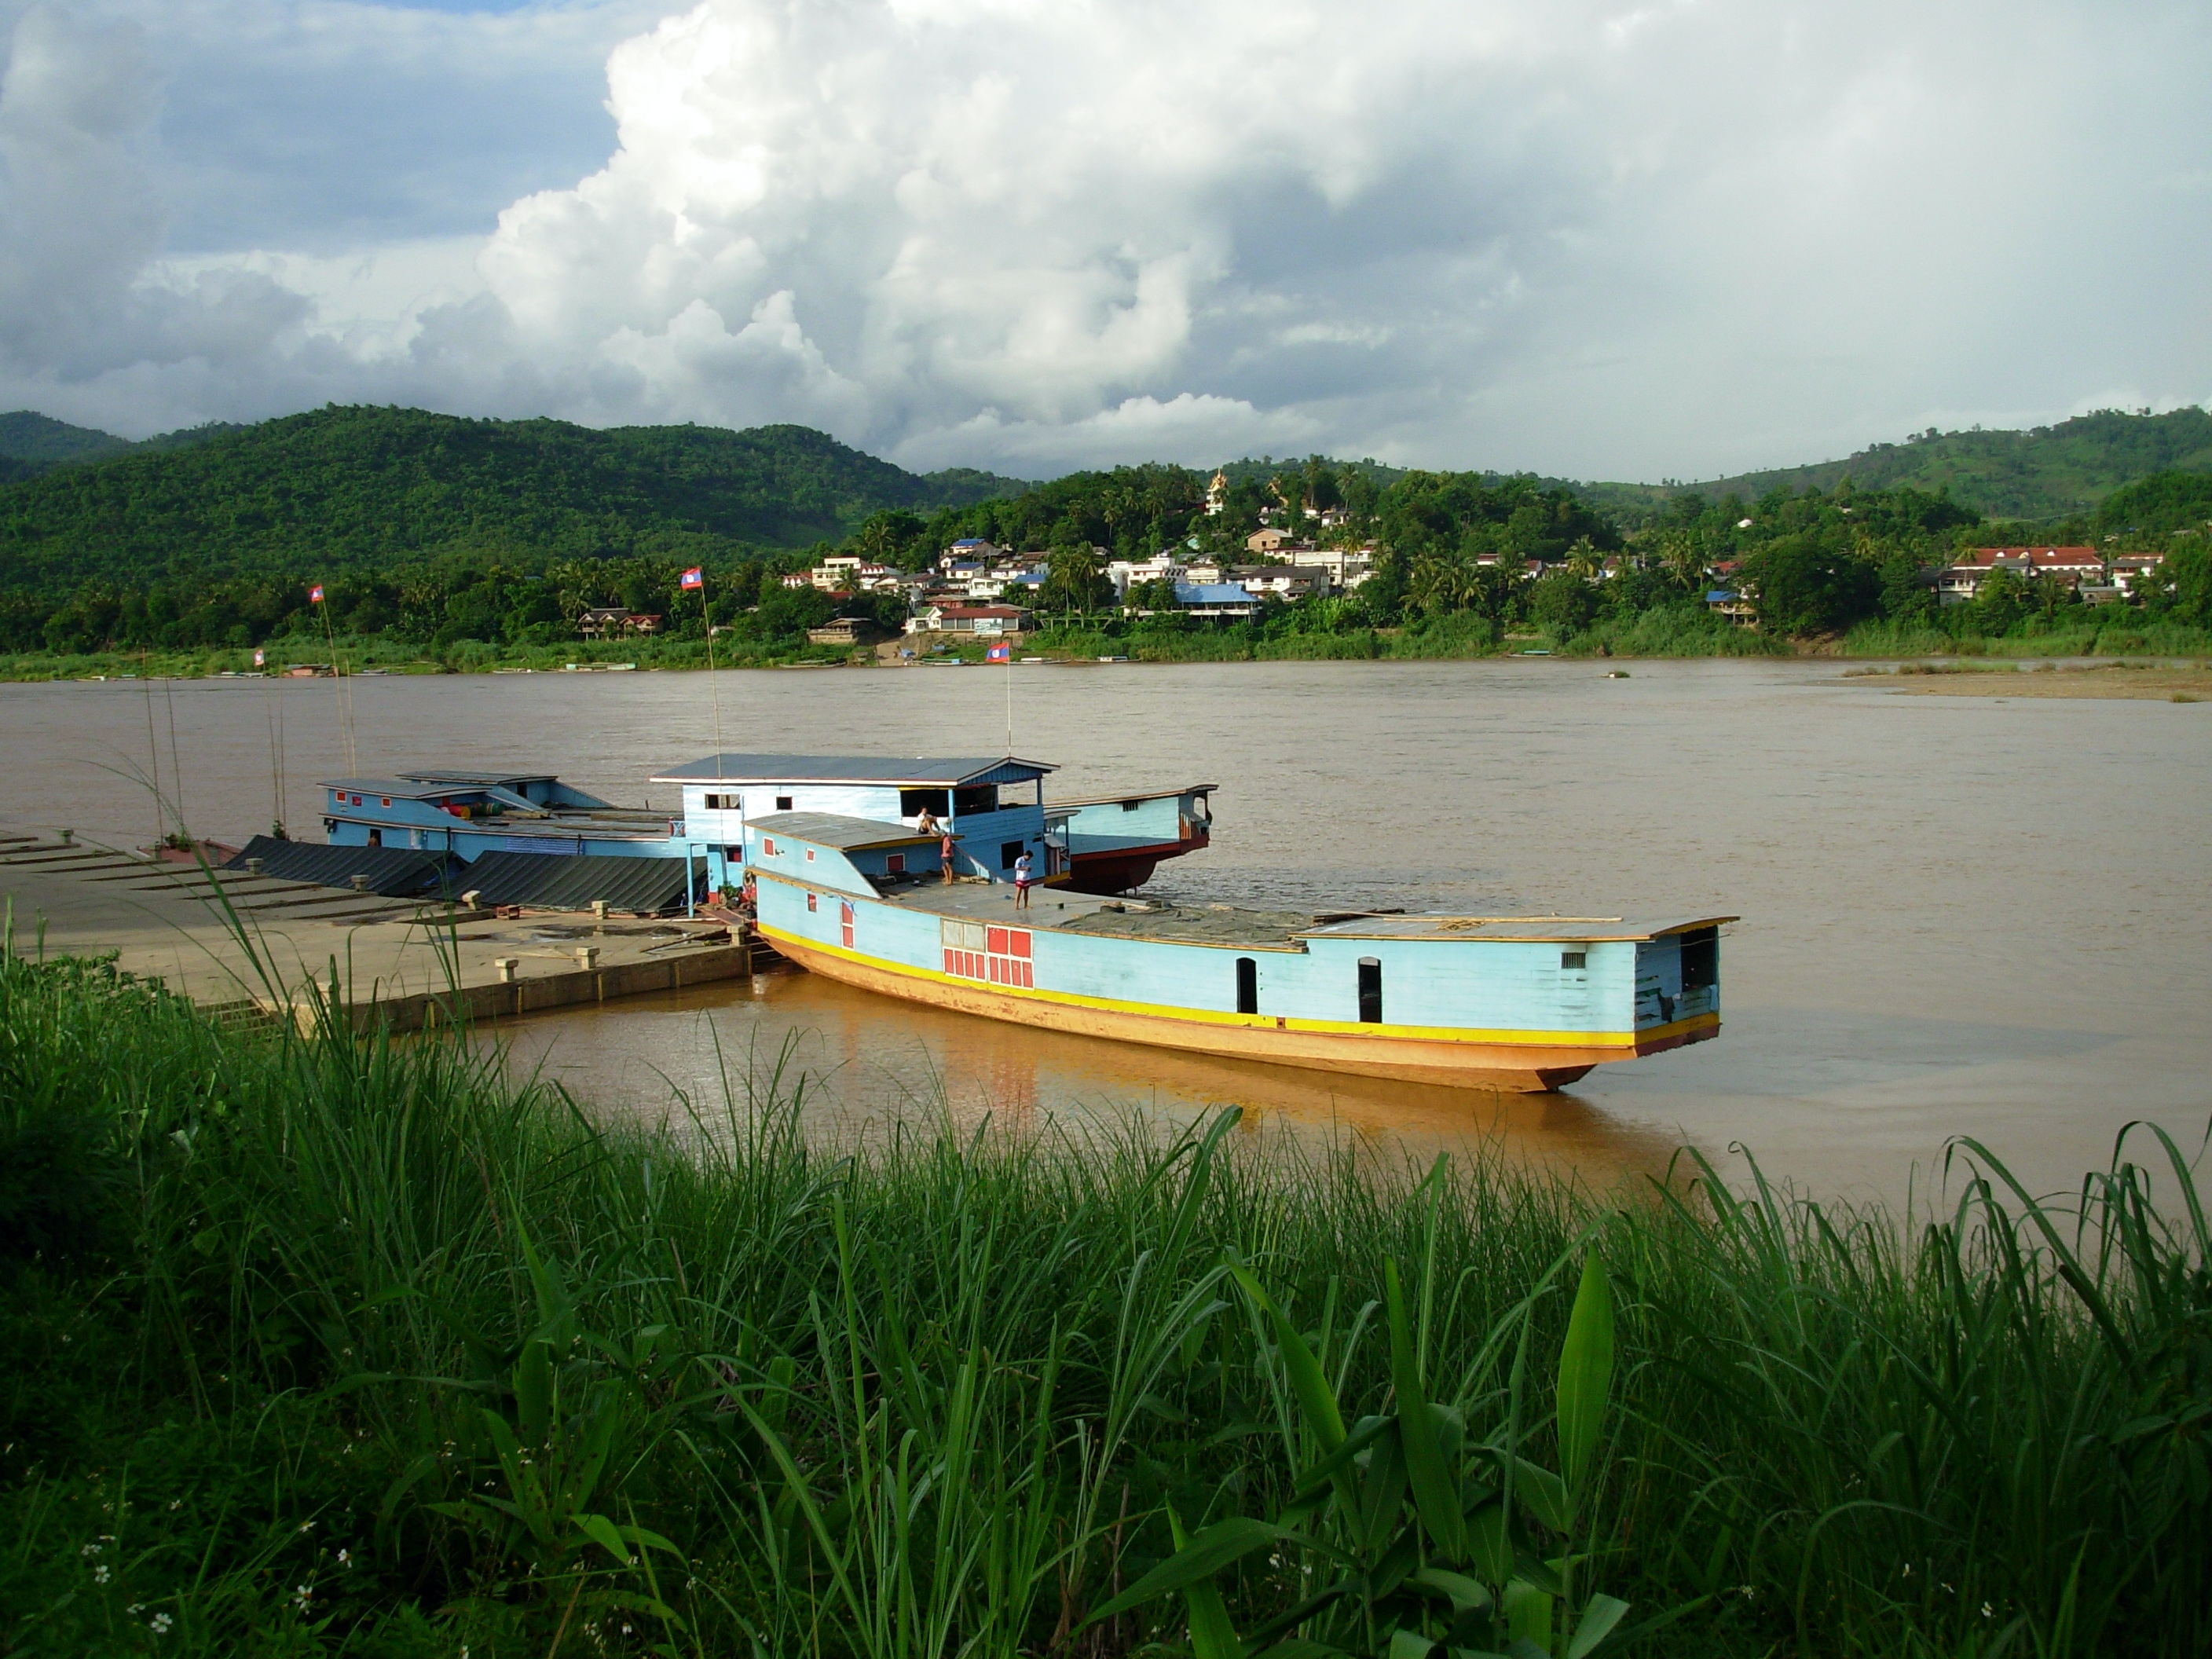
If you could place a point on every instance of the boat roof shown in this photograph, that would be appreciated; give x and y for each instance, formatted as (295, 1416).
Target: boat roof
(400, 788)
(847, 834)
(435, 776)
(942, 771)
(1565, 930)
(1136, 796)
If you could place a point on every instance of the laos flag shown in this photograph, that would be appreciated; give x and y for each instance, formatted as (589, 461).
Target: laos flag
(315, 594)
(1002, 653)
(694, 577)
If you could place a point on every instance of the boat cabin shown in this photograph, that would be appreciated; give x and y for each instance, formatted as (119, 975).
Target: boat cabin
(1114, 842)
(469, 814)
(994, 805)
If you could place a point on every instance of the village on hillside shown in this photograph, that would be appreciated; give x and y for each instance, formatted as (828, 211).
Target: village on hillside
(976, 588)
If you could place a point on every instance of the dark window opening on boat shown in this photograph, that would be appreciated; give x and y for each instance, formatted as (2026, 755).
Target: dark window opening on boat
(913, 803)
(1573, 962)
(1008, 852)
(984, 797)
(783, 803)
(1131, 805)
(721, 803)
(734, 855)
(1247, 985)
(895, 863)
(1371, 991)
(376, 837)
(1701, 959)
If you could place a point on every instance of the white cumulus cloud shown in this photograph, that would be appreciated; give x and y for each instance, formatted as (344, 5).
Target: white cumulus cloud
(1581, 235)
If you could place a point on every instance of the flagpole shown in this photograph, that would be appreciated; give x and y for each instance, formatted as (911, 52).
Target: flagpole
(338, 682)
(714, 689)
(698, 573)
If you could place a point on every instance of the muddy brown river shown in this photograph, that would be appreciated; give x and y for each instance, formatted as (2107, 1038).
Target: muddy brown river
(1960, 916)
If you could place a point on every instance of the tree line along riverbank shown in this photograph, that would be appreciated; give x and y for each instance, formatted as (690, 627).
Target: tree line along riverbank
(1688, 633)
(316, 1344)
(465, 542)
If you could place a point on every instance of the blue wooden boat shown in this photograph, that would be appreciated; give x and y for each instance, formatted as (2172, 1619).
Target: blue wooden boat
(1523, 1003)
(468, 814)
(993, 803)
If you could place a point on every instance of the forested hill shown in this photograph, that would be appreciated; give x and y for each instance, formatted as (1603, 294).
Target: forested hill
(342, 489)
(2046, 472)
(32, 443)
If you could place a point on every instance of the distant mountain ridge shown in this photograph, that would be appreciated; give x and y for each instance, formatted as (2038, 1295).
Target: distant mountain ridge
(32, 443)
(2045, 472)
(352, 487)
(344, 487)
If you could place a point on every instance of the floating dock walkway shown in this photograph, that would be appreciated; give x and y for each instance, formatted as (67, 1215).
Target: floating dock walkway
(402, 963)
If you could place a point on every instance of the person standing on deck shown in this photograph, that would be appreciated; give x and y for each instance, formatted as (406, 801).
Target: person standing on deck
(944, 850)
(1022, 867)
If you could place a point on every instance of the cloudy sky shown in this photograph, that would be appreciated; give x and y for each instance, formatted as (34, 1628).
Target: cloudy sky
(1601, 238)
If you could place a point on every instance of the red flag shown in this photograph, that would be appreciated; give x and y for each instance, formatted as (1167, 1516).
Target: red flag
(1002, 653)
(315, 594)
(695, 577)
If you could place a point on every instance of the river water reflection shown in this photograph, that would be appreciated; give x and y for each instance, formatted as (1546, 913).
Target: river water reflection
(1975, 916)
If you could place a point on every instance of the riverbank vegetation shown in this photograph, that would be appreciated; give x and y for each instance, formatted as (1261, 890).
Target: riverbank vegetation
(470, 543)
(320, 1346)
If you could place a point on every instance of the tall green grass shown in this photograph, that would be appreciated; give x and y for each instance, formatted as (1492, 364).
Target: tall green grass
(310, 1345)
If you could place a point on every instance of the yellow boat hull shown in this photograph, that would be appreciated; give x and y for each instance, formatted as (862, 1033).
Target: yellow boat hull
(1529, 1063)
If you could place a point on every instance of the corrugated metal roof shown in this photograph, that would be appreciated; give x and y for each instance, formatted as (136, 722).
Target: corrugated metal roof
(938, 770)
(558, 881)
(1568, 930)
(434, 776)
(393, 872)
(398, 788)
(836, 829)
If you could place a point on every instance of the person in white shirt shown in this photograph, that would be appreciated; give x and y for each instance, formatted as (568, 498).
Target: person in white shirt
(1021, 868)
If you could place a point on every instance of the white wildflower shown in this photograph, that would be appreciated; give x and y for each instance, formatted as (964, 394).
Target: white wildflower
(160, 1624)
(100, 1573)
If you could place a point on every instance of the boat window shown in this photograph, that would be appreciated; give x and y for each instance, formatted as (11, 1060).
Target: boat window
(1701, 959)
(783, 803)
(1371, 991)
(983, 798)
(1573, 962)
(1247, 985)
(913, 803)
(895, 863)
(813, 901)
(1008, 852)
(721, 803)
(1131, 805)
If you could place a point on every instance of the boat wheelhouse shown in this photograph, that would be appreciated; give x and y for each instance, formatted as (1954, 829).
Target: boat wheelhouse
(1113, 843)
(994, 805)
(1523, 1003)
